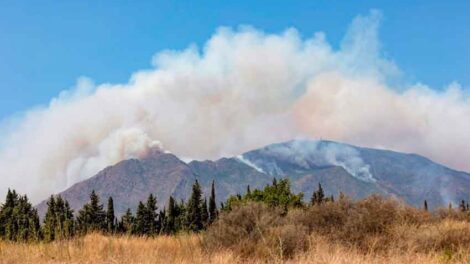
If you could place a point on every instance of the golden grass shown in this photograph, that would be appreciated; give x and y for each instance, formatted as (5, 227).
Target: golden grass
(96, 248)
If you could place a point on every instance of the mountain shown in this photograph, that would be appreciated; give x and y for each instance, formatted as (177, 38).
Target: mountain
(339, 167)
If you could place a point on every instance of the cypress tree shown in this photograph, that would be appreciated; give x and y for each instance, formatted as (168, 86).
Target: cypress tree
(318, 196)
(212, 204)
(110, 218)
(321, 194)
(194, 210)
(204, 213)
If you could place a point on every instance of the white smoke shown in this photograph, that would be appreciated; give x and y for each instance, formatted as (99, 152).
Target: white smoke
(245, 89)
(308, 154)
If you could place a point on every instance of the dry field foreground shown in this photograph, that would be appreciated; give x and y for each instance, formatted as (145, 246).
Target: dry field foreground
(96, 248)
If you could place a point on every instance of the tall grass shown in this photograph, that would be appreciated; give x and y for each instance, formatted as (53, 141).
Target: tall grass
(96, 248)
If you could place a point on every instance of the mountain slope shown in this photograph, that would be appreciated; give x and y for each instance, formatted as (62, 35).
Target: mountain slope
(131, 181)
(407, 176)
(339, 167)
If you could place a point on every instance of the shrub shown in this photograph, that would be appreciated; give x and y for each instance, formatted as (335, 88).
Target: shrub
(255, 229)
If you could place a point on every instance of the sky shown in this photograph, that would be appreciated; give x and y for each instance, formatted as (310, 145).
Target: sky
(87, 84)
(46, 45)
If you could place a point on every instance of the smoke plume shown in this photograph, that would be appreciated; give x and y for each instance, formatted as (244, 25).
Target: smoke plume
(242, 90)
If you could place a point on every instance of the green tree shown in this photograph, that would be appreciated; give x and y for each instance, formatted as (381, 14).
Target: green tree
(212, 205)
(110, 218)
(69, 224)
(140, 217)
(204, 213)
(194, 209)
(92, 216)
(171, 216)
(278, 194)
(127, 223)
(151, 215)
(26, 221)
(19, 221)
(318, 196)
(7, 225)
(49, 226)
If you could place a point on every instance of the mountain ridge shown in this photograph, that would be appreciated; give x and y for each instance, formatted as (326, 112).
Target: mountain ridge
(339, 167)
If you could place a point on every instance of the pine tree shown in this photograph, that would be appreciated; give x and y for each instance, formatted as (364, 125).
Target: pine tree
(141, 226)
(212, 204)
(170, 226)
(27, 221)
(58, 221)
(110, 218)
(19, 221)
(49, 227)
(69, 224)
(151, 215)
(60, 218)
(7, 225)
(92, 216)
(127, 223)
(161, 221)
(194, 210)
(425, 205)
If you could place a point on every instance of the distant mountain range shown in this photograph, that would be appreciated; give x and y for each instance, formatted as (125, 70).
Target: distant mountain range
(339, 167)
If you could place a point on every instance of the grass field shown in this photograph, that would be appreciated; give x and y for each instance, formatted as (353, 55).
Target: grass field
(96, 248)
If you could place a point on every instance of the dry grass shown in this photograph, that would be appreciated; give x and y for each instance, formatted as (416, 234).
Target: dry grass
(97, 248)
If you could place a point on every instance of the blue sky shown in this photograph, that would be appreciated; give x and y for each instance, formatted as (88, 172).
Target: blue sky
(46, 45)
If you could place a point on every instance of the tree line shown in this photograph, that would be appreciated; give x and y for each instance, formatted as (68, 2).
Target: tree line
(19, 220)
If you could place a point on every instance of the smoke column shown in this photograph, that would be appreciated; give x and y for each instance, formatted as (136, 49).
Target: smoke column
(243, 89)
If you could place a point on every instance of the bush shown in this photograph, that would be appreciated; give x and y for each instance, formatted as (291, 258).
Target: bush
(256, 230)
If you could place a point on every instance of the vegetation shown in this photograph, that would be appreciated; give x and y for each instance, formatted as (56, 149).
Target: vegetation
(268, 225)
